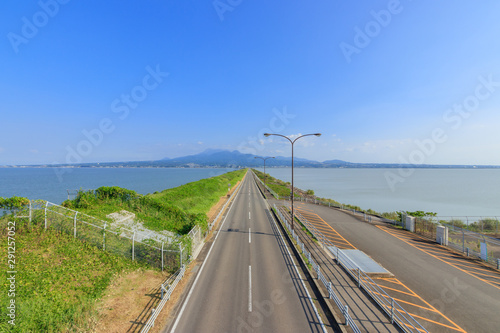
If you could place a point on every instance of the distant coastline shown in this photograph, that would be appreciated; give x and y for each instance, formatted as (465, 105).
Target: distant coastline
(236, 160)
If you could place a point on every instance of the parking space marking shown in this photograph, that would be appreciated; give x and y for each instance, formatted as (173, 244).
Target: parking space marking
(413, 301)
(448, 257)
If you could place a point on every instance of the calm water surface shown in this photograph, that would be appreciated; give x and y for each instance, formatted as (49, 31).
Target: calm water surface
(448, 192)
(43, 183)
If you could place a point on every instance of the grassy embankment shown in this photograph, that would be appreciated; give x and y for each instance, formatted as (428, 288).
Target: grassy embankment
(178, 209)
(60, 279)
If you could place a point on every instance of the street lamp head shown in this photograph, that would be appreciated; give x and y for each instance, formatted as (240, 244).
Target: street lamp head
(317, 134)
(267, 134)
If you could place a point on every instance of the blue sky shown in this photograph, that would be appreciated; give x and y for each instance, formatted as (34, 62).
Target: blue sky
(383, 81)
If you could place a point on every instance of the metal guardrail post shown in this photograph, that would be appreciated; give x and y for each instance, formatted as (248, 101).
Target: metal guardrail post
(346, 314)
(392, 310)
(467, 251)
(498, 263)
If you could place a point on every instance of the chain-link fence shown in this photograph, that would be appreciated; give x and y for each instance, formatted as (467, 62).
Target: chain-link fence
(162, 251)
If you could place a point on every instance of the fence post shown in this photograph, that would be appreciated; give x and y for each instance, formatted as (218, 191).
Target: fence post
(467, 252)
(162, 256)
(133, 246)
(498, 263)
(180, 247)
(463, 241)
(46, 204)
(104, 237)
(74, 224)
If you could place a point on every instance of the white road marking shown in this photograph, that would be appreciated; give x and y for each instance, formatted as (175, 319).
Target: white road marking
(300, 276)
(201, 270)
(249, 216)
(249, 288)
(249, 235)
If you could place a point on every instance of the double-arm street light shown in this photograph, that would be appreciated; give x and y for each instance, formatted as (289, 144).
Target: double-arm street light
(262, 158)
(292, 142)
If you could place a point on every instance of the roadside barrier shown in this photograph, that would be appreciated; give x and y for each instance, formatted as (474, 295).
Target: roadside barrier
(166, 292)
(392, 308)
(344, 309)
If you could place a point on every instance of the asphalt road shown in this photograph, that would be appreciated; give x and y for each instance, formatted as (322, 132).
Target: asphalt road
(248, 282)
(466, 300)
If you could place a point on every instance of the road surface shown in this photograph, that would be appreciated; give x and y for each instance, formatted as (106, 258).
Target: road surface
(248, 282)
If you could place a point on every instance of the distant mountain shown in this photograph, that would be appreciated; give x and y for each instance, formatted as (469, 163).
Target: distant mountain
(218, 158)
(226, 158)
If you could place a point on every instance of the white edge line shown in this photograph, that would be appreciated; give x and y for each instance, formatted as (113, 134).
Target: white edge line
(201, 269)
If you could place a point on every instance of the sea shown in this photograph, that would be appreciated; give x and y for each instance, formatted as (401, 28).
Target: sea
(447, 192)
(58, 184)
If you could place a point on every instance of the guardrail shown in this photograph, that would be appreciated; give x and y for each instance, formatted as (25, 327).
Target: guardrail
(344, 309)
(392, 308)
(165, 296)
(274, 194)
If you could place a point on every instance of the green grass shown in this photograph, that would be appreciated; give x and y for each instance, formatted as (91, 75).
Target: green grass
(178, 209)
(58, 280)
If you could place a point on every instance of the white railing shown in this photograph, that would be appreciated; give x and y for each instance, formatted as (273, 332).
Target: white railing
(166, 291)
(394, 310)
(344, 309)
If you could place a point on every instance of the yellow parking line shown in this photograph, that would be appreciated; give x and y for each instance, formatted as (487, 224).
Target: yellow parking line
(399, 282)
(335, 231)
(399, 291)
(460, 269)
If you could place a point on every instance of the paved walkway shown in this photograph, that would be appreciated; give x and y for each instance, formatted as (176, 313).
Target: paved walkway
(442, 289)
(367, 315)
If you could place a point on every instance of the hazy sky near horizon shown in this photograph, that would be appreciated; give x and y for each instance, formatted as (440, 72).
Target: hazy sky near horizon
(383, 81)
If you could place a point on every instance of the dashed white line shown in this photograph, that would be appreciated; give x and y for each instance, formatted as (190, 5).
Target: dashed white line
(249, 288)
(249, 235)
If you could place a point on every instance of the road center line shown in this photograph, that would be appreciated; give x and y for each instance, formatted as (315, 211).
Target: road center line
(249, 288)
(249, 235)
(249, 216)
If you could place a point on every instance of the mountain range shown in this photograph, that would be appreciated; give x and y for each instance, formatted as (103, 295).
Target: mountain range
(235, 159)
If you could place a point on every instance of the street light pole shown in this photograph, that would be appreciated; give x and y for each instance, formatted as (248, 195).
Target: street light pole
(264, 159)
(292, 142)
